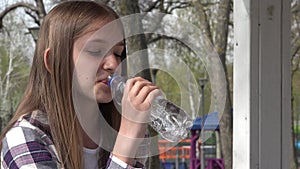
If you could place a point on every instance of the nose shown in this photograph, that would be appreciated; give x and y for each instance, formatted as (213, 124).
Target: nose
(111, 62)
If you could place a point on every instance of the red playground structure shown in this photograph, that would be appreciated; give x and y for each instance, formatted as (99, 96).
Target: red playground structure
(184, 155)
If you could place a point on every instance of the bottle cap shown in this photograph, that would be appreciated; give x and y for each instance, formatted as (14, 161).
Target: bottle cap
(109, 79)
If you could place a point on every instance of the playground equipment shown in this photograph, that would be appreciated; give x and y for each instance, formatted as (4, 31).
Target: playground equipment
(211, 123)
(174, 157)
(185, 153)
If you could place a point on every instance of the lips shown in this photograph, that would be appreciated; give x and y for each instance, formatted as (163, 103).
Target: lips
(105, 81)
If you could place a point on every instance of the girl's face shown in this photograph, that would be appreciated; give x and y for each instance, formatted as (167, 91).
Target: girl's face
(97, 55)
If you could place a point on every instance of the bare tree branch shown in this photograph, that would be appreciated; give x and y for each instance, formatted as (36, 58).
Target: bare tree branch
(295, 50)
(34, 17)
(13, 7)
(161, 37)
(177, 2)
(41, 10)
(181, 5)
(157, 38)
(205, 26)
(168, 6)
(152, 6)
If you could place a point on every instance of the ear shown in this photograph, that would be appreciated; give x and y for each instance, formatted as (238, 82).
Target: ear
(46, 60)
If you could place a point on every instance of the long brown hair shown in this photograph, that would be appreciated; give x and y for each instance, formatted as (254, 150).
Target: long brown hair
(52, 92)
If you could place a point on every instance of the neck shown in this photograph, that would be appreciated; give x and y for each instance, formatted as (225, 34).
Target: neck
(87, 141)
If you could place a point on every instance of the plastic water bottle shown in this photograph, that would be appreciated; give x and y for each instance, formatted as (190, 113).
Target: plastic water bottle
(169, 120)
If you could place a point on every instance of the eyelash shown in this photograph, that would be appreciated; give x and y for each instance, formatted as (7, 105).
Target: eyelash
(117, 55)
(96, 53)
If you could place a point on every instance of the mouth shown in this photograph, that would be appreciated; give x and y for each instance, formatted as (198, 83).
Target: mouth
(105, 81)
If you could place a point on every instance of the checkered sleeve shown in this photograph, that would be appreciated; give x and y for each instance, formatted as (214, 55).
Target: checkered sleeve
(116, 163)
(27, 147)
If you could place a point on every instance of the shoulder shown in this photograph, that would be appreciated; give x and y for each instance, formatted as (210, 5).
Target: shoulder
(31, 127)
(28, 144)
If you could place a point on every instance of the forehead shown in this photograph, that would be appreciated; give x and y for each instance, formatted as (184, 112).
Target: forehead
(107, 31)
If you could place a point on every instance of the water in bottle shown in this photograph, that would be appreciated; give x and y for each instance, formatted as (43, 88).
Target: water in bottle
(169, 120)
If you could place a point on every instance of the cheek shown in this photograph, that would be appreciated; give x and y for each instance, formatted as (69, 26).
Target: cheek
(85, 76)
(76, 51)
(102, 94)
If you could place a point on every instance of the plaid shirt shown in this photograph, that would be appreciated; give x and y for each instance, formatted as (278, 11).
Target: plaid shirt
(28, 144)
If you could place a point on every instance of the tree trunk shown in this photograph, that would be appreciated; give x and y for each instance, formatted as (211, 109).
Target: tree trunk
(41, 10)
(295, 48)
(294, 135)
(134, 44)
(8, 85)
(218, 37)
(220, 43)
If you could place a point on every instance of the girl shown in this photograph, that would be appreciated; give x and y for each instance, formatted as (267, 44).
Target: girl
(45, 131)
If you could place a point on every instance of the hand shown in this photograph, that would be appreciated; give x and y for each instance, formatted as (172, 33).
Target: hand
(138, 96)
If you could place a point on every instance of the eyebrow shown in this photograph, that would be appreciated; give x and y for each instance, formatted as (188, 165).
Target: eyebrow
(121, 43)
(98, 40)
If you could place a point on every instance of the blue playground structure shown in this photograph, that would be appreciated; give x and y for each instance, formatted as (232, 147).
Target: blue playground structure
(184, 155)
(211, 123)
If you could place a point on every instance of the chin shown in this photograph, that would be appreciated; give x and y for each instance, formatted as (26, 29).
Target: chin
(102, 94)
(103, 99)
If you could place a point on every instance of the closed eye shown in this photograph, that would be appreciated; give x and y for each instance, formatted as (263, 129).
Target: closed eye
(121, 56)
(118, 55)
(95, 53)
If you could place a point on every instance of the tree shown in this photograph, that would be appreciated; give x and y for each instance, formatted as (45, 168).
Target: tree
(15, 54)
(37, 11)
(14, 68)
(214, 17)
(295, 56)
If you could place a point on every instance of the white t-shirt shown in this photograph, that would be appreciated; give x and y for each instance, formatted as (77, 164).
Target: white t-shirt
(90, 158)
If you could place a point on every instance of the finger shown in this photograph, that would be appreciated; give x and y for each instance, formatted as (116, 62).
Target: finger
(139, 101)
(144, 93)
(138, 86)
(132, 81)
(152, 95)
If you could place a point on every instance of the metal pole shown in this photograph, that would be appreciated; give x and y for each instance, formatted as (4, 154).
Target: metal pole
(202, 153)
(202, 131)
